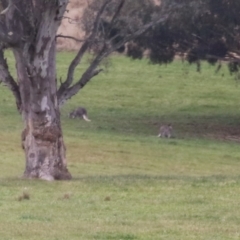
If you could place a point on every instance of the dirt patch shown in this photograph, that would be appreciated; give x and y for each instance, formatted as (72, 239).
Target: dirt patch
(71, 26)
(217, 131)
(212, 131)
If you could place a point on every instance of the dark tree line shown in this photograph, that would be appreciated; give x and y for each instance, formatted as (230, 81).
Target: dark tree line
(198, 30)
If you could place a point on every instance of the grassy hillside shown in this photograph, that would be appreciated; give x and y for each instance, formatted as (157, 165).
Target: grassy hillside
(127, 183)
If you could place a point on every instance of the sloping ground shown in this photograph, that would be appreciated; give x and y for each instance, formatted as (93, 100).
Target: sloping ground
(71, 25)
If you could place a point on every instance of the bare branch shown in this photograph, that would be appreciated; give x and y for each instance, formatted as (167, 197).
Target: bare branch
(70, 37)
(71, 69)
(96, 72)
(66, 91)
(139, 32)
(8, 7)
(86, 77)
(8, 80)
(82, 50)
(119, 8)
(98, 17)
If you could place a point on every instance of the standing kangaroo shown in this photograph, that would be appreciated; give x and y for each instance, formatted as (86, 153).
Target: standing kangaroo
(79, 112)
(165, 131)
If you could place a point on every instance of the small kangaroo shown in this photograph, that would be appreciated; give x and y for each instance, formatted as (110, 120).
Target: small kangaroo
(79, 112)
(165, 131)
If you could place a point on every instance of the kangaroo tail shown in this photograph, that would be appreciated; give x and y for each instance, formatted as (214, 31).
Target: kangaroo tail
(86, 118)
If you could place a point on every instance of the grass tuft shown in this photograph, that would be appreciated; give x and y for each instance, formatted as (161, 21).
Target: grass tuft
(66, 196)
(24, 196)
(107, 198)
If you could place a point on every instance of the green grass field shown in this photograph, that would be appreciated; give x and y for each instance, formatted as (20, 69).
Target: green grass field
(127, 183)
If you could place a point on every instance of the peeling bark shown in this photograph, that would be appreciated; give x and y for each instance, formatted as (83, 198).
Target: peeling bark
(43, 143)
(42, 138)
(45, 152)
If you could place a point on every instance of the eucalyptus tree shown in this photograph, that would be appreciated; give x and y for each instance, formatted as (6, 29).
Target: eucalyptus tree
(28, 28)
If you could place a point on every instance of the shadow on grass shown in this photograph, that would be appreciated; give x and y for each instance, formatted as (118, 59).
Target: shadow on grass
(129, 179)
(212, 126)
(134, 178)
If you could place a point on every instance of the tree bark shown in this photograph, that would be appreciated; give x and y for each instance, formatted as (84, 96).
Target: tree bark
(44, 149)
(42, 138)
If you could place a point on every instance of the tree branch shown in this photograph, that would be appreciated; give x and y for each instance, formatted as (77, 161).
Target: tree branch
(98, 17)
(7, 8)
(65, 91)
(8, 80)
(72, 68)
(70, 37)
(116, 14)
(139, 32)
(86, 77)
(82, 51)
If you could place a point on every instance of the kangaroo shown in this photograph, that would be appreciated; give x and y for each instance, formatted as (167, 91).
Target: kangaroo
(165, 131)
(79, 112)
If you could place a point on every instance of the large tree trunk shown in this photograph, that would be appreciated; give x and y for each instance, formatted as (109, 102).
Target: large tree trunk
(42, 138)
(29, 28)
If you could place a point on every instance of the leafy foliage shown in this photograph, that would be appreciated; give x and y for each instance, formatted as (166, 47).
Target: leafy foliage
(115, 25)
(200, 30)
